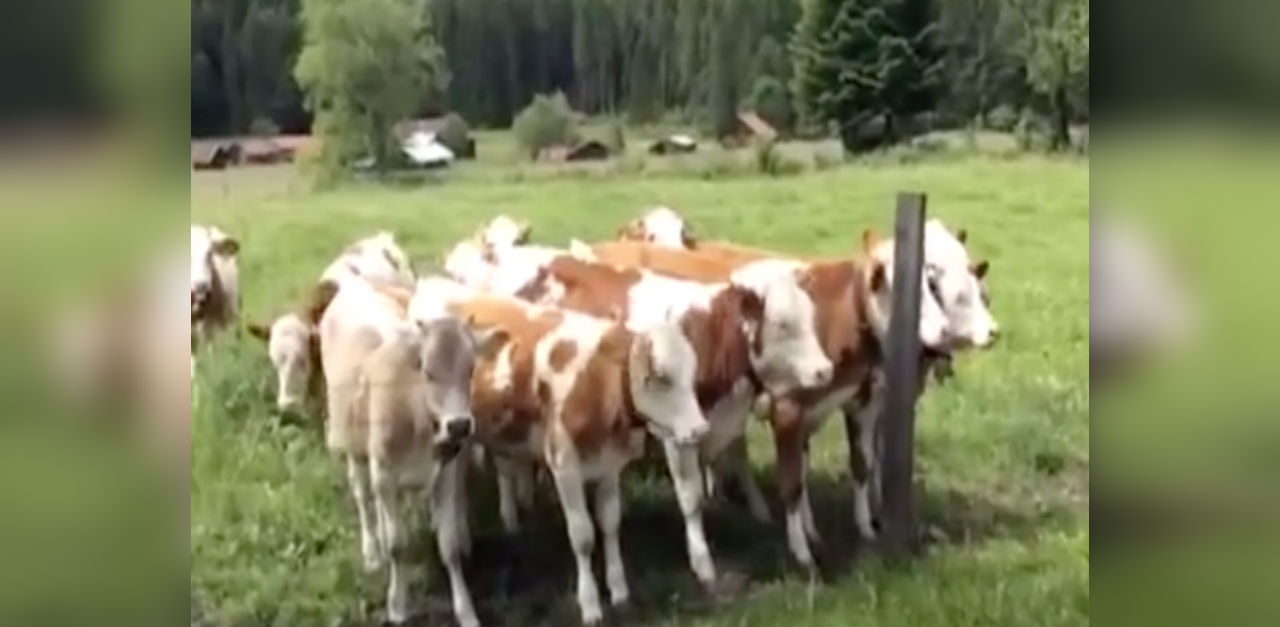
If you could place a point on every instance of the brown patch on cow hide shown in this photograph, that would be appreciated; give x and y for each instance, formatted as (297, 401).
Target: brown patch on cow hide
(684, 264)
(718, 339)
(593, 288)
(596, 412)
(561, 354)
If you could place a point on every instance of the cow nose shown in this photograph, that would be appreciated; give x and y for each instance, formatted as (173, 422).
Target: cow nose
(458, 428)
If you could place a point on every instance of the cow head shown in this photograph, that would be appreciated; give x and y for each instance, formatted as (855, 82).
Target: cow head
(448, 352)
(785, 352)
(294, 348)
(661, 226)
(208, 246)
(375, 258)
(959, 287)
(293, 344)
(662, 366)
(504, 232)
(877, 268)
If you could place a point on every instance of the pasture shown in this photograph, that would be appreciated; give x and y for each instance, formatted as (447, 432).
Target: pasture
(1003, 447)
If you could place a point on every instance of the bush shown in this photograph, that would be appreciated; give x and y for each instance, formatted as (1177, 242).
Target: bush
(453, 133)
(1002, 118)
(825, 158)
(547, 121)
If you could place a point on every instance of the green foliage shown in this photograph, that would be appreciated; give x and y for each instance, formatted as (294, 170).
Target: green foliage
(364, 67)
(1003, 118)
(1052, 40)
(857, 60)
(769, 98)
(547, 121)
(454, 133)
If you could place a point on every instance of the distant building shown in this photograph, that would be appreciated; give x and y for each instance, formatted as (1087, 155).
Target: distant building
(673, 144)
(424, 149)
(465, 147)
(589, 150)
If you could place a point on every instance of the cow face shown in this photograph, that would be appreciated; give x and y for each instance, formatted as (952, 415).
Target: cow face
(292, 344)
(662, 369)
(210, 247)
(504, 232)
(878, 277)
(447, 359)
(958, 286)
(785, 351)
(661, 226)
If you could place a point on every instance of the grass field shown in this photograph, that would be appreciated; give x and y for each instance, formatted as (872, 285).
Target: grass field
(1004, 446)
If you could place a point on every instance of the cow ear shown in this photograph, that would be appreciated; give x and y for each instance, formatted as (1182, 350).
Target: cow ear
(488, 341)
(878, 279)
(869, 239)
(259, 331)
(963, 235)
(226, 247)
(980, 269)
(688, 238)
(630, 231)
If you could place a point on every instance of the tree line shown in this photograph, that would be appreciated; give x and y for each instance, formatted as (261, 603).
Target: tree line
(813, 66)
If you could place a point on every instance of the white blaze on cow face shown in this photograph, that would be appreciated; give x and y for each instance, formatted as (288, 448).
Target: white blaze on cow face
(663, 365)
(504, 232)
(957, 284)
(447, 358)
(289, 345)
(661, 226)
(789, 354)
(879, 279)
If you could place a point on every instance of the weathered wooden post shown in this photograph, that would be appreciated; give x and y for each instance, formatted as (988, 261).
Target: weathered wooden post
(902, 367)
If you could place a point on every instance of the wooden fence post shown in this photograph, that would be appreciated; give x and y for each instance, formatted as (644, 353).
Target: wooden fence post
(902, 367)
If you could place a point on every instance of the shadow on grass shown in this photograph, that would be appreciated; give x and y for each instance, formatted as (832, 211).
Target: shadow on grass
(529, 580)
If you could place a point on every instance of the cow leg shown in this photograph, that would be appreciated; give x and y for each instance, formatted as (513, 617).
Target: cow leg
(686, 474)
(806, 510)
(508, 476)
(737, 466)
(609, 515)
(861, 423)
(393, 536)
(789, 433)
(453, 536)
(577, 519)
(370, 547)
(525, 473)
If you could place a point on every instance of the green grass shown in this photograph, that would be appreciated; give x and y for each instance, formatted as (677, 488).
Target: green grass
(1004, 447)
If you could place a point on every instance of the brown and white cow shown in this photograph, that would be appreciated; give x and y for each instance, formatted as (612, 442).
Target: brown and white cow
(292, 338)
(399, 411)
(215, 282)
(746, 338)
(576, 393)
(852, 304)
(951, 278)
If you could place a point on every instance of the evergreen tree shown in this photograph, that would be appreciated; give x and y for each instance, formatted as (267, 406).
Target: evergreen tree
(858, 61)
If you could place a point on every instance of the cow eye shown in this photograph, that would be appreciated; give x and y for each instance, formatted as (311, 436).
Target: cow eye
(662, 379)
(934, 288)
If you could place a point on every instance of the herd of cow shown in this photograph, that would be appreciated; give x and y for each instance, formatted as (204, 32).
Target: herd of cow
(569, 360)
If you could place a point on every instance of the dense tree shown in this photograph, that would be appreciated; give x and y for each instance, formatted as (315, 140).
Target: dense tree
(859, 61)
(364, 67)
(696, 59)
(1052, 39)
